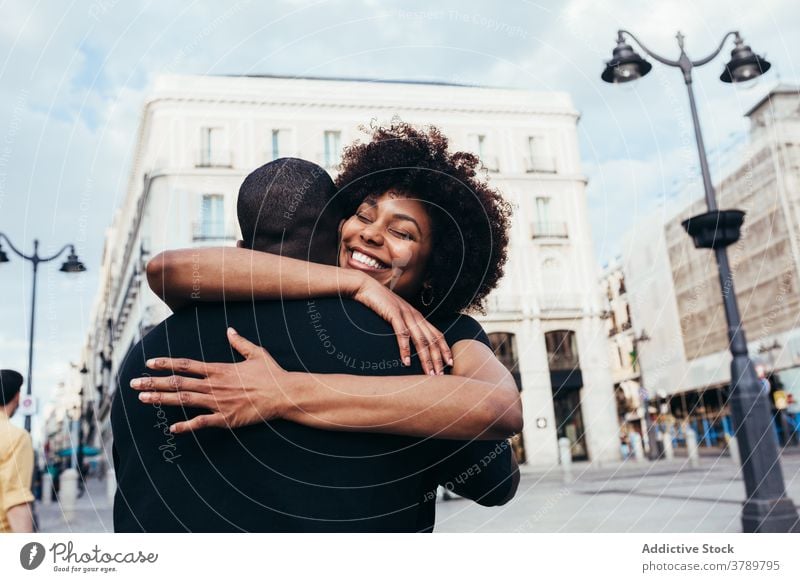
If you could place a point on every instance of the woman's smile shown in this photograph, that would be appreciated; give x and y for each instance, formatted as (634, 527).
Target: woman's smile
(359, 259)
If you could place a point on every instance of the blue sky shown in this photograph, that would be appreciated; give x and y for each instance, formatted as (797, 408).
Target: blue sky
(73, 77)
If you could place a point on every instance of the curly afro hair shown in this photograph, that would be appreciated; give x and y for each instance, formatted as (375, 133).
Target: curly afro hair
(470, 219)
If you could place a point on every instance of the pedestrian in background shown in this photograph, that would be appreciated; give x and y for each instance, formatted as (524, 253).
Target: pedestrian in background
(16, 461)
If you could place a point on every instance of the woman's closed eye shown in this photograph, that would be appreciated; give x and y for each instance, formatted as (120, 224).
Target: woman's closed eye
(364, 218)
(402, 234)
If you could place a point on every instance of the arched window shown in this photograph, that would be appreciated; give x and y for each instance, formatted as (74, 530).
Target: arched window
(562, 349)
(505, 348)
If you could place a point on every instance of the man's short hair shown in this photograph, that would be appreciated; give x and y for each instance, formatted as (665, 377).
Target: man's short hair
(288, 207)
(10, 383)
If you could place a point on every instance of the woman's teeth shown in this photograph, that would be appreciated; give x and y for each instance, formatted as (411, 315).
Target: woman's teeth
(368, 261)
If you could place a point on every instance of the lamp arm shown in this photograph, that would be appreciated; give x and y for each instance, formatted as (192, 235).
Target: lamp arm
(15, 249)
(659, 58)
(58, 254)
(716, 52)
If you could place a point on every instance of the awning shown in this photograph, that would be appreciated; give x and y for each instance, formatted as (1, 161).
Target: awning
(87, 451)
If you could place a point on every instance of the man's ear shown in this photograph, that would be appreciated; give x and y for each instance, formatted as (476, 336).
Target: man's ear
(239, 244)
(13, 404)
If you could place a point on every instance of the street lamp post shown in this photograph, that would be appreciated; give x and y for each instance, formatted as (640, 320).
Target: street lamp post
(644, 394)
(71, 265)
(767, 507)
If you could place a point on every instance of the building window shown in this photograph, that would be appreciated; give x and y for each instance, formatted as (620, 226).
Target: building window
(562, 349)
(332, 153)
(279, 144)
(276, 144)
(478, 143)
(544, 226)
(542, 210)
(539, 159)
(212, 218)
(213, 149)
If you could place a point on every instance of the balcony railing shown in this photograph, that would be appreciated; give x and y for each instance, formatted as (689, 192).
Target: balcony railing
(549, 230)
(540, 165)
(204, 231)
(504, 304)
(214, 159)
(560, 302)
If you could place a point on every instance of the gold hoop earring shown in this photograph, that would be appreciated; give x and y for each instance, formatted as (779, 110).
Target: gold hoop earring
(422, 296)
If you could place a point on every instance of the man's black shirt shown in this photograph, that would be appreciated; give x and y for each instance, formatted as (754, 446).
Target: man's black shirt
(282, 476)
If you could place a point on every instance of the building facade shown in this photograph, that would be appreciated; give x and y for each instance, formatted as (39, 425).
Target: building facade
(622, 352)
(200, 136)
(678, 295)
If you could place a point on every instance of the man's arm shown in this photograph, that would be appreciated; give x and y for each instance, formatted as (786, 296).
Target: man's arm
(20, 518)
(17, 473)
(485, 471)
(479, 400)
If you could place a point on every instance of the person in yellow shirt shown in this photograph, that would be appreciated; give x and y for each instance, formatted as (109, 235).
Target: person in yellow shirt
(16, 461)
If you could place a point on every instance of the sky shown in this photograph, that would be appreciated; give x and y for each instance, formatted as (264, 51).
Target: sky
(74, 76)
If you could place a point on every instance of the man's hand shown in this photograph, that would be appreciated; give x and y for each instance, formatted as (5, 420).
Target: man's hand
(237, 395)
(408, 323)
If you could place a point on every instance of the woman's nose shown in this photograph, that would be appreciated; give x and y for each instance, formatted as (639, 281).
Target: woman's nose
(372, 235)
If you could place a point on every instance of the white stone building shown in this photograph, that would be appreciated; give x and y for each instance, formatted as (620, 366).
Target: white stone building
(200, 136)
(677, 295)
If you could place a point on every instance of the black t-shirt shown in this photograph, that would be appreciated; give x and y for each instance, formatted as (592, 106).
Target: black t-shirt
(282, 476)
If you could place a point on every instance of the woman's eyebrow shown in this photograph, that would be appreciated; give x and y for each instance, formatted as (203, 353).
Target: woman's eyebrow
(409, 218)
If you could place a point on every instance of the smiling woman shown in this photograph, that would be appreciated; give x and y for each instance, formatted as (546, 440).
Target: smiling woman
(433, 201)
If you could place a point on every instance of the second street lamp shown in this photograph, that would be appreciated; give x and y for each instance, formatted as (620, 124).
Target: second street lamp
(767, 507)
(71, 265)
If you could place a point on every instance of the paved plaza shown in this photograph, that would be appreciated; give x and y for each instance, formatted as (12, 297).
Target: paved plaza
(662, 496)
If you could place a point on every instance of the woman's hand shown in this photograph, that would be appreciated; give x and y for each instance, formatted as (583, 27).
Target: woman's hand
(234, 393)
(407, 322)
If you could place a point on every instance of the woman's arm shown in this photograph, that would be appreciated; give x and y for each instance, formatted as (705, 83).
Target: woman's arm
(184, 276)
(478, 401)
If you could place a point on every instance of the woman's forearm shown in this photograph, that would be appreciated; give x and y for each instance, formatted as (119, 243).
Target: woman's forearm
(453, 407)
(235, 274)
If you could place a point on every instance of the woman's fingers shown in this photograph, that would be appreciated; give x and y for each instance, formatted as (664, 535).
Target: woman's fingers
(433, 347)
(421, 342)
(170, 384)
(403, 339)
(182, 365)
(440, 344)
(199, 422)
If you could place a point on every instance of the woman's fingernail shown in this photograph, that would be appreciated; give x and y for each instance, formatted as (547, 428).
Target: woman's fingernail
(406, 361)
(232, 331)
(449, 361)
(144, 396)
(136, 382)
(172, 429)
(152, 363)
(432, 372)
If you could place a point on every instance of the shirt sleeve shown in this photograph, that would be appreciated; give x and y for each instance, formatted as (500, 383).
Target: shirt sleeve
(461, 327)
(17, 472)
(478, 470)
